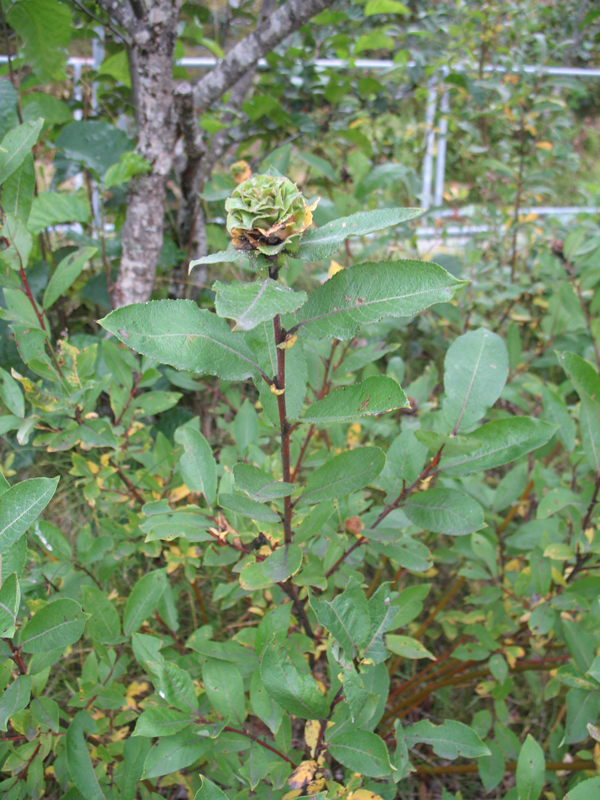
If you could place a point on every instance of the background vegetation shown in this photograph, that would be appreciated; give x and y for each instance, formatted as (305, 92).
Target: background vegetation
(498, 628)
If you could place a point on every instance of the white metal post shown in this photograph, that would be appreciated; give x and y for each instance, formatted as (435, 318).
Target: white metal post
(440, 165)
(429, 143)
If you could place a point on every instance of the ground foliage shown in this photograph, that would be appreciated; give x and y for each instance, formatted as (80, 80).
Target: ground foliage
(210, 587)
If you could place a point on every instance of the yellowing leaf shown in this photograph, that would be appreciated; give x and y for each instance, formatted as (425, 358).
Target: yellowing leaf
(334, 268)
(302, 775)
(544, 145)
(364, 794)
(179, 493)
(311, 734)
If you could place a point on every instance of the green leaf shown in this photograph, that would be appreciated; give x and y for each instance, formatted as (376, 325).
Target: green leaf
(174, 753)
(585, 790)
(385, 7)
(324, 241)
(10, 600)
(11, 394)
(129, 165)
(66, 274)
(555, 500)
(21, 505)
(57, 625)
(582, 375)
(382, 614)
(282, 563)
(249, 304)
(17, 144)
(44, 28)
(450, 740)
(14, 699)
(20, 243)
(95, 144)
(375, 40)
(531, 768)
(53, 111)
(320, 164)
(445, 511)
(175, 686)
(245, 427)
(475, 371)
(369, 292)
(346, 617)
(79, 763)
(345, 473)
(265, 708)
(453, 445)
(502, 441)
(262, 342)
(143, 599)
(18, 190)
(117, 66)
(279, 566)
(247, 508)
(135, 752)
(557, 412)
(375, 395)
(295, 691)
(582, 706)
(225, 689)
(54, 208)
(189, 522)
(491, 768)
(178, 333)
(197, 464)
(363, 752)
(405, 457)
(161, 721)
(209, 791)
(104, 624)
(406, 647)
(229, 256)
(259, 486)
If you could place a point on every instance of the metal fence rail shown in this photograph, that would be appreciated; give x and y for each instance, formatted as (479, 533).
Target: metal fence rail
(432, 188)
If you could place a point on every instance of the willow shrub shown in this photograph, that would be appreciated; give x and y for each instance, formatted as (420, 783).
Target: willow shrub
(245, 617)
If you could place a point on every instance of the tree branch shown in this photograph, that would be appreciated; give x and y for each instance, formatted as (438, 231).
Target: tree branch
(121, 12)
(244, 56)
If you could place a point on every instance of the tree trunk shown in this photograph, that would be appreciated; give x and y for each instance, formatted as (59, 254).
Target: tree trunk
(151, 61)
(150, 32)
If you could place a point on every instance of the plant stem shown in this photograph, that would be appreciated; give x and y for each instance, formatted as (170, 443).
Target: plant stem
(284, 426)
(468, 769)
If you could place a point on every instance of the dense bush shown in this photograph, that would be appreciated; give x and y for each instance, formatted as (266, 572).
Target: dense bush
(330, 528)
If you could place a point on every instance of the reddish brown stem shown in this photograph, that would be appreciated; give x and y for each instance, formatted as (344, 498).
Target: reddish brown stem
(284, 426)
(260, 742)
(17, 657)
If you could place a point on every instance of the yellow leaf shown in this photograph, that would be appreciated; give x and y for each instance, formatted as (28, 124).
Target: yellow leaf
(94, 468)
(105, 459)
(119, 735)
(544, 145)
(277, 391)
(179, 493)
(302, 775)
(288, 342)
(136, 688)
(312, 730)
(334, 268)
(514, 565)
(558, 578)
(364, 794)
